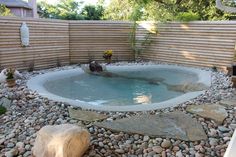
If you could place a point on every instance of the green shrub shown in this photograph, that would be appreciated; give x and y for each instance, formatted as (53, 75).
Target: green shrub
(2, 110)
(187, 16)
(214, 69)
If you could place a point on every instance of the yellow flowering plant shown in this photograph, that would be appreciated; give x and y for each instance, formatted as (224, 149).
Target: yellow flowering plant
(107, 55)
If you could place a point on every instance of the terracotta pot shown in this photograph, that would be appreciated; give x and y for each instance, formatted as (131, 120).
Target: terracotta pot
(11, 82)
(233, 79)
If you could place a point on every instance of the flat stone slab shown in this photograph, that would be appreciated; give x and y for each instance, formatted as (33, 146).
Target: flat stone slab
(88, 116)
(168, 125)
(188, 87)
(228, 103)
(211, 111)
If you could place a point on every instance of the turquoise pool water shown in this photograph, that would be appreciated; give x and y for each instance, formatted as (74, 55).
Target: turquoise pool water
(125, 87)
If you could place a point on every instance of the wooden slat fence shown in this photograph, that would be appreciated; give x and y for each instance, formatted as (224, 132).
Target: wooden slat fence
(57, 42)
(49, 43)
(204, 44)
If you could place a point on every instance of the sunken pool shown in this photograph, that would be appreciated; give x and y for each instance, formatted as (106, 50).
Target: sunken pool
(126, 88)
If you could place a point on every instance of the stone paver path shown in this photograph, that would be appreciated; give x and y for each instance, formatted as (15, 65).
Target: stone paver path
(88, 116)
(172, 125)
(215, 112)
(228, 102)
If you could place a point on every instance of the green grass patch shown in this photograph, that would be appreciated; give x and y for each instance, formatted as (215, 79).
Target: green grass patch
(2, 110)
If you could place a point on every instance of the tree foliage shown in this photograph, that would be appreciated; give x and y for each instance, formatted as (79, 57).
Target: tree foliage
(70, 10)
(92, 12)
(4, 11)
(167, 10)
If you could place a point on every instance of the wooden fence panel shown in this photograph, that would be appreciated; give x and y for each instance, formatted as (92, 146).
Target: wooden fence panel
(204, 44)
(57, 42)
(89, 39)
(49, 43)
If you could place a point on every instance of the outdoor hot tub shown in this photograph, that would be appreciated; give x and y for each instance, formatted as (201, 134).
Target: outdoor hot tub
(126, 88)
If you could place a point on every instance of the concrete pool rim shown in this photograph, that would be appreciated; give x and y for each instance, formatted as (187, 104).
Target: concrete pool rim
(36, 84)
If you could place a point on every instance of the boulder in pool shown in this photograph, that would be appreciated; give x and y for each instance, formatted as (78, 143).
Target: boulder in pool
(95, 67)
(66, 140)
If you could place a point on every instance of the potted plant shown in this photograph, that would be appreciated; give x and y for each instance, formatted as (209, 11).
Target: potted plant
(107, 56)
(10, 77)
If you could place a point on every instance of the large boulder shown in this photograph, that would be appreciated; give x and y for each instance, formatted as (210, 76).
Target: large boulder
(66, 140)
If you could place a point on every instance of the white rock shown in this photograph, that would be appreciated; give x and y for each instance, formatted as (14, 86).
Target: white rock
(179, 154)
(20, 145)
(3, 76)
(66, 140)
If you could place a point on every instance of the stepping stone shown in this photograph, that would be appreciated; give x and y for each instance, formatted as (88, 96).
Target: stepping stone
(5, 102)
(88, 116)
(228, 103)
(167, 125)
(211, 111)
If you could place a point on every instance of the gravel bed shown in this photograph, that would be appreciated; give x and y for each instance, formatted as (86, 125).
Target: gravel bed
(29, 112)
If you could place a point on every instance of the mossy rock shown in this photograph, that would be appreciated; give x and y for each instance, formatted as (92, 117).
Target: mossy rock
(2, 110)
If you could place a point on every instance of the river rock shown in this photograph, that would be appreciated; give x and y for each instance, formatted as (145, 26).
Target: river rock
(157, 149)
(13, 152)
(166, 144)
(66, 140)
(223, 129)
(211, 111)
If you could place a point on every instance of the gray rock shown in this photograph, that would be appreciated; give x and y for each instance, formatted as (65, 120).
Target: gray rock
(151, 153)
(223, 129)
(11, 153)
(27, 147)
(179, 154)
(233, 126)
(2, 141)
(146, 138)
(211, 111)
(173, 125)
(136, 136)
(120, 151)
(20, 145)
(157, 149)
(213, 141)
(175, 148)
(5, 102)
(10, 145)
(26, 154)
(101, 144)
